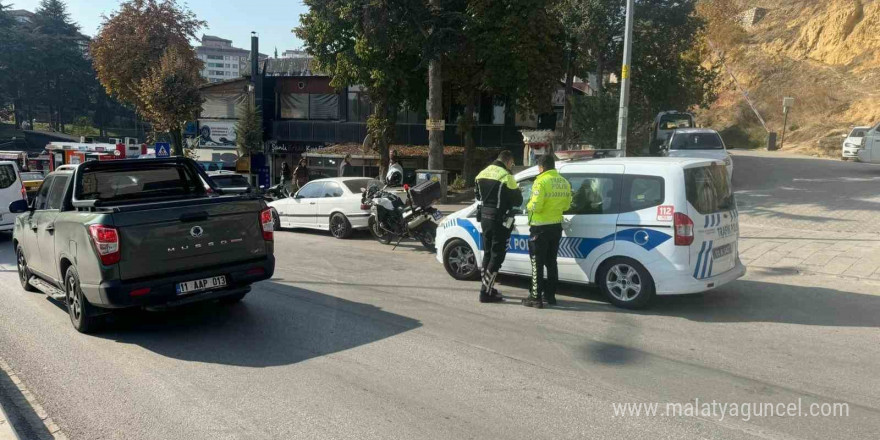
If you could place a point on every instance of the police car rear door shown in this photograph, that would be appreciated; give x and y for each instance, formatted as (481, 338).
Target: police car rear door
(712, 208)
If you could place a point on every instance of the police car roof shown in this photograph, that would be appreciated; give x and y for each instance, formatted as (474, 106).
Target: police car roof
(695, 130)
(681, 162)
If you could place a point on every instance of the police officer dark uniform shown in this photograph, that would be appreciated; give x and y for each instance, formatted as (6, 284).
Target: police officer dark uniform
(498, 194)
(551, 197)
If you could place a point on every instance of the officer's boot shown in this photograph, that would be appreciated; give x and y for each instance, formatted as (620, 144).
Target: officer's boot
(488, 294)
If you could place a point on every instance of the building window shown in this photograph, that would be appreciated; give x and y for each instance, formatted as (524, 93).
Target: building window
(359, 107)
(312, 106)
(215, 57)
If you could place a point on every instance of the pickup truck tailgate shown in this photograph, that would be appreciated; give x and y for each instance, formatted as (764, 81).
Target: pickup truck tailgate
(160, 239)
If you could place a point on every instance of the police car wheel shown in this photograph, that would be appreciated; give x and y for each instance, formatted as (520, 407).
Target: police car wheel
(460, 261)
(626, 283)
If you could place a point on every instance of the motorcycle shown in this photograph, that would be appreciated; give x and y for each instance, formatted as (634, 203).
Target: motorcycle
(393, 219)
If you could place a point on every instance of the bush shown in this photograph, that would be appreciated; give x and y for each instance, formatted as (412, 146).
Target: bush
(459, 183)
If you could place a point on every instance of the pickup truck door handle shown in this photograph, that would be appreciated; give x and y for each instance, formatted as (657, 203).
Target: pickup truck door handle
(311, 203)
(194, 217)
(50, 228)
(34, 227)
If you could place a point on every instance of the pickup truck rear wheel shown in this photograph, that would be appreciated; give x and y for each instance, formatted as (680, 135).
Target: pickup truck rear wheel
(82, 314)
(24, 273)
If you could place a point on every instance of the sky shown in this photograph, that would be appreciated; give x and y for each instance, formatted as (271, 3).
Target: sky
(273, 20)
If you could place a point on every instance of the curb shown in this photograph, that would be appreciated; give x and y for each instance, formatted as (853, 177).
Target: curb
(30, 419)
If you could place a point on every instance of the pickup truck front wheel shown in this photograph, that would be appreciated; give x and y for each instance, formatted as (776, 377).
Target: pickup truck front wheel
(82, 314)
(24, 273)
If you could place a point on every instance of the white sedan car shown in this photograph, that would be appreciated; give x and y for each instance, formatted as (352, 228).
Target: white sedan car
(332, 204)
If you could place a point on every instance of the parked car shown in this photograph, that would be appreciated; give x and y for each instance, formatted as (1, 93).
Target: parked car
(852, 143)
(638, 227)
(698, 142)
(11, 190)
(139, 233)
(32, 181)
(332, 204)
(231, 182)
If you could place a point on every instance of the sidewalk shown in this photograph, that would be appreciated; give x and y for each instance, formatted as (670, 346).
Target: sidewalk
(853, 255)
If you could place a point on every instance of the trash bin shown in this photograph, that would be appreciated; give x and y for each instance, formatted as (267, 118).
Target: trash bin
(771, 141)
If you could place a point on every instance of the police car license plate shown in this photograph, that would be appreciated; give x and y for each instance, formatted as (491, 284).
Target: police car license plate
(201, 285)
(721, 252)
(437, 215)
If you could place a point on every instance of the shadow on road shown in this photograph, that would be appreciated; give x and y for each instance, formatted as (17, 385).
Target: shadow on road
(276, 324)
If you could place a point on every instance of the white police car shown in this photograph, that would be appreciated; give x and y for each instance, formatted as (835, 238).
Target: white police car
(638, 227)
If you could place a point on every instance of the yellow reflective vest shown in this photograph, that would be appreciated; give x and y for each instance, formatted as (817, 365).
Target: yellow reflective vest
(551, 196)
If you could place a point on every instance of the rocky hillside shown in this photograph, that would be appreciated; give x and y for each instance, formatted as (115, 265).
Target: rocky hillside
(824, 53)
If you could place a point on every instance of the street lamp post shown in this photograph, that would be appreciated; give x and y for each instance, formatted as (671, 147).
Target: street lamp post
(623, 115)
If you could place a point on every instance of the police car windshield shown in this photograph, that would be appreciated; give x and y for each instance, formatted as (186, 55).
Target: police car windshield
(696, 141)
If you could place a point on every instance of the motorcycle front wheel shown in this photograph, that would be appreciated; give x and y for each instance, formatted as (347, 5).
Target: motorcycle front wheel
(378, 233)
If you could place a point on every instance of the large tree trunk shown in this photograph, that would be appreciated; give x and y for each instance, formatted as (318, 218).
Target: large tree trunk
(600, 73)
(435, 108)
(469, 166)
(569, 86)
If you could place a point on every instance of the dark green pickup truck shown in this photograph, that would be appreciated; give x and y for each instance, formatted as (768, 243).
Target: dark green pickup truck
(151, 233)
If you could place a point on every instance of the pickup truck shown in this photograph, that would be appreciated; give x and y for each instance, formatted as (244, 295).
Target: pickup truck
(147, 233)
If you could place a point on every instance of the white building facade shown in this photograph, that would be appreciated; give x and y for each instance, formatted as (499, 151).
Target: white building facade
(222, 60)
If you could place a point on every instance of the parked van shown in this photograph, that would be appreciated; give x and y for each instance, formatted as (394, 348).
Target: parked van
(666, 123)
(852, 142)
(11, 189)
(638, 227)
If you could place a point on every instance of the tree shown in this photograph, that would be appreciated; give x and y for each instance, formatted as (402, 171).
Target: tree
(169, 94)
(373, 44)
(249, 130)
(507, 48)
(133, 40)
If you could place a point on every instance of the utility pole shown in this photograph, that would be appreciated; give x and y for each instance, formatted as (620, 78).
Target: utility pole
(435, 124)
(623, 115)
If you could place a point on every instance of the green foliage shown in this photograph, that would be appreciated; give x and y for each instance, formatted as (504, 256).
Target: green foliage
(594, 120)
(459, 183)
(169, 94)
(249, 130)
(82, 126)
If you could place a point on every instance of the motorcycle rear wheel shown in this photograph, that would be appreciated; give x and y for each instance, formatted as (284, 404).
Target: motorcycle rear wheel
(427, 235)
(381, 235)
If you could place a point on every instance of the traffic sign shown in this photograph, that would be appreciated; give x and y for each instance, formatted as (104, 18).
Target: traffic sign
(163, 149)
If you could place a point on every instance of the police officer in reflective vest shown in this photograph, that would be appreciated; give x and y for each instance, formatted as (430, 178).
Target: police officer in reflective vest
(551, 197)
(498, 194)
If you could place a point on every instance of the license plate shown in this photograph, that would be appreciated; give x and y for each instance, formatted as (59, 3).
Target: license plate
(437, 215)
(201, 285)
(722, 251)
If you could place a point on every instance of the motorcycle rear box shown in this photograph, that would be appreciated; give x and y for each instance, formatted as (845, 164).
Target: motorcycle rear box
(426, 193)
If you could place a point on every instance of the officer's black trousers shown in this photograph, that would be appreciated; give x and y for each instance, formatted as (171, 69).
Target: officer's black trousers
(495, 238)
(543, 249)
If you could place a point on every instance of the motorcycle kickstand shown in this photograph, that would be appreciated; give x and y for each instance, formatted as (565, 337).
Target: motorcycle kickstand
(399, 239)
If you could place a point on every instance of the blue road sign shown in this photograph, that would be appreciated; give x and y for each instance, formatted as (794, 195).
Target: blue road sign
(163, 149)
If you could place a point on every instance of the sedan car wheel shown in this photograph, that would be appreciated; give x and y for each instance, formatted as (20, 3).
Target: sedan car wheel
(340, 227)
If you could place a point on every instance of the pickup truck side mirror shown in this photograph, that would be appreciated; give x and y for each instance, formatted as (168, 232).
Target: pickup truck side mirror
(19, 206)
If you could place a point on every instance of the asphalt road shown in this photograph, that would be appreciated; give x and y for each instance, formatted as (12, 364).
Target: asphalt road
(354, 340)
(799, 192)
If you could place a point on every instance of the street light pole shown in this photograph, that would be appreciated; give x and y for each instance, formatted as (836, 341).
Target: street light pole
(623, 115)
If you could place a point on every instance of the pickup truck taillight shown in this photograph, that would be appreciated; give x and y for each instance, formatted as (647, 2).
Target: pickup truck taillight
(106, 240)
(267, 224)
